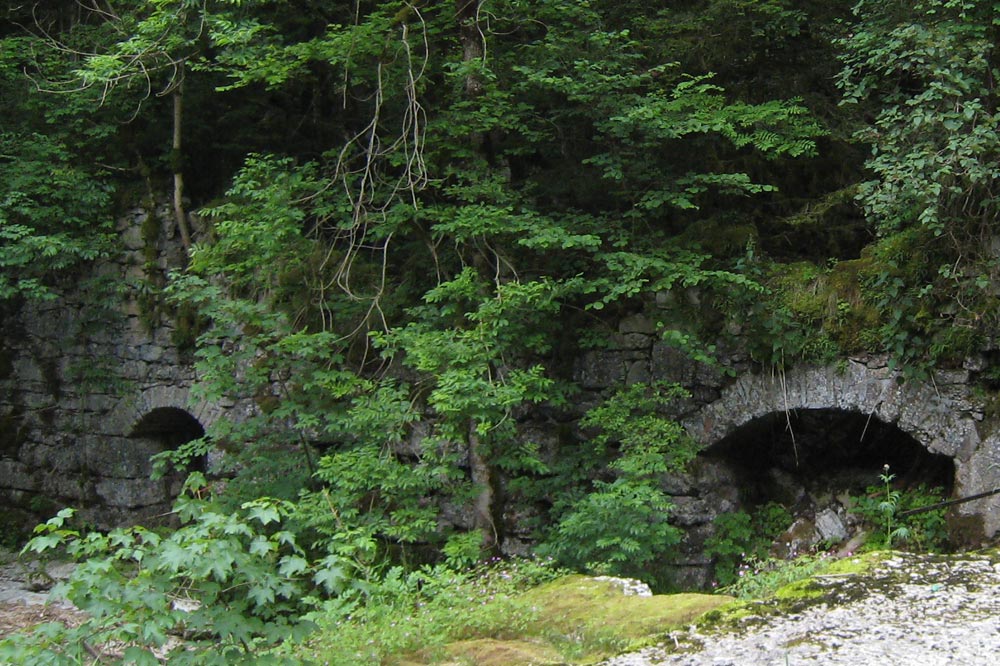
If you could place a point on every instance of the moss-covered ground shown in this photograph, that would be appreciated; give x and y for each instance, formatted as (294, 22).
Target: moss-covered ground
(574, 620)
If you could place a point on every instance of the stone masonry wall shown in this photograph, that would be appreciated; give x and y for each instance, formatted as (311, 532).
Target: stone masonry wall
(89, 393)
(945, 415)
(76, 379)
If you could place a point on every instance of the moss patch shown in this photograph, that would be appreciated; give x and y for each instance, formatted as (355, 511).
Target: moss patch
(789, 598)
(490, 652)
(590, 619)
(577, 601)
(857, 564)
(730, 615)
(828, 302)
(800, 590)
(573, 620)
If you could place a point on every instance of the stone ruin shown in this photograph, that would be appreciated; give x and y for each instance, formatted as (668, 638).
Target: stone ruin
(806, 436)
(88, 396)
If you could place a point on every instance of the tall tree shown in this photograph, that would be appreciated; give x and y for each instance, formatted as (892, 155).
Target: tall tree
(486, 169)
(926, 75)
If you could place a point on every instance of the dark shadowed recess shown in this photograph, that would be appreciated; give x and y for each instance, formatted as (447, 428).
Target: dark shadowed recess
(825, 450)
(170, 427)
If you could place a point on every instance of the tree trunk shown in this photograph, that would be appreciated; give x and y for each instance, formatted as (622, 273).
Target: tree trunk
(176, 165)
(484, 476)
(487, 502)
(471, 36)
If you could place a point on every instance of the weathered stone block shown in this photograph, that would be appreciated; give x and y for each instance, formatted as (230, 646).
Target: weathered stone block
(122, 457)
(669, 364)
(598, 370)
(830, 526)
(637, 323)
(638, 372)
(132, 493)
(633, 341)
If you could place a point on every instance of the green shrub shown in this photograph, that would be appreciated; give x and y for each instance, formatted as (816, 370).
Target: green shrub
(741, 537)
(234, 586)
(757, 578)
(880, 507)
(621, 528)
(611, 514)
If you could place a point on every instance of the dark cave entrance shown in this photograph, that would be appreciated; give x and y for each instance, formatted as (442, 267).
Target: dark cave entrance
(821, 447)
(822, 465)
(168, 429)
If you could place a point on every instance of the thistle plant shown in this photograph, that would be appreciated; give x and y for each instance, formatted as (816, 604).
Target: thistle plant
(888, 509)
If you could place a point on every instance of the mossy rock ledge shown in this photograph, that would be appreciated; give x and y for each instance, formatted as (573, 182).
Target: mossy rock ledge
(579, 620)
(885, 607)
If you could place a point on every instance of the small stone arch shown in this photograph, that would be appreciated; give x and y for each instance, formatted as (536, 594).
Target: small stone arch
(169, 428)
(131, 410)
(171, 425)
(940, 415)
(125, 491)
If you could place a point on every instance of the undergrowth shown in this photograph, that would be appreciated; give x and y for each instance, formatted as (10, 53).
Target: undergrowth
(423, 611)
(924, 532)
(757, 578)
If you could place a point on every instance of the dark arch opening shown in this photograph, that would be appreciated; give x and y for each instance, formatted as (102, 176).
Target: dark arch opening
(823, 467)
(169, 423)
(170, 428)
(821, 447)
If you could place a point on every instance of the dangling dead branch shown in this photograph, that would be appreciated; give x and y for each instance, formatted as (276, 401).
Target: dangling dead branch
(373, 186)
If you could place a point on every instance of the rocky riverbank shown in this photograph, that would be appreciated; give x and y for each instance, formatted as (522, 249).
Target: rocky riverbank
(927, 610)
(24, 595)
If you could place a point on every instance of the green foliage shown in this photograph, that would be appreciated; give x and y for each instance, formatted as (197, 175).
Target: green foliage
(473, 357)
(648, 442)
(621, 525)
(260, 229)
(390, 282)
(887, 509)
(520, 611)
(424, 609)
(740, 539)
(935, 133)
(318, 268)
(926, 77)
(463, 550)
(757, 578)
(372, 500)
(619, 528)
(923, 532)
(54, 214)
(235, 586)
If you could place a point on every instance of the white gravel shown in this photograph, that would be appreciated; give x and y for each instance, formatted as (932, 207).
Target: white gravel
(22, 584)
(911, 610)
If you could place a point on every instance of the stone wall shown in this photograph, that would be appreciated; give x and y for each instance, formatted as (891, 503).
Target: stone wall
(945, 415)
(77, 380)
(89, 393)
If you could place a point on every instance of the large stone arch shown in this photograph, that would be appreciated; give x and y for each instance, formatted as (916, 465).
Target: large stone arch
(939, 414)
